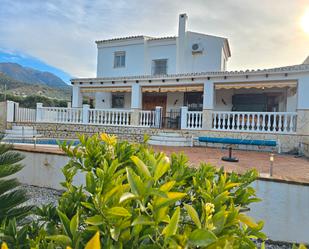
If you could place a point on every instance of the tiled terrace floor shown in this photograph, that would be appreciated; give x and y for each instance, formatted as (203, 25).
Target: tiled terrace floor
(286, 167)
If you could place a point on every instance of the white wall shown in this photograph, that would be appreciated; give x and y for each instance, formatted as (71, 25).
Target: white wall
(210, 59)
(284, 209)
(127, 100)
(103, 100)
(161, 50)
(44, 170)
(303, 90)
(134, 61)
(291, 102)
(172, 98)
(140, 53)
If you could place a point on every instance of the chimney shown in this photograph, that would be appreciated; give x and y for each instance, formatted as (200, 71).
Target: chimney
(182, 28)
(181, 43)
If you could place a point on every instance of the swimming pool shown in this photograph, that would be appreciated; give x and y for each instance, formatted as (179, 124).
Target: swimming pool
(43, 141)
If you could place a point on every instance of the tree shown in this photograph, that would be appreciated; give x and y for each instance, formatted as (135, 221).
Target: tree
(11, 196)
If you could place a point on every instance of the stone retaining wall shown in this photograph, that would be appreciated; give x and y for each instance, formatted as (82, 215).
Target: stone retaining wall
(71, 131)
(287, 143)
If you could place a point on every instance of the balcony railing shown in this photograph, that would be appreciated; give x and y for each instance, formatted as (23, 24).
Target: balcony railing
(192, 120)
(147, 118)
(110, 117)
(272, 122)
(59, 115)
(263, 122)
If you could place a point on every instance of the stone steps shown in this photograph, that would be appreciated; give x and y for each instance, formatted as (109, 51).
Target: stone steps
(170, 139)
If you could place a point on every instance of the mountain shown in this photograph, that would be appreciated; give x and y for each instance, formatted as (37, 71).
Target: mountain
(31, 76)
(18, 88)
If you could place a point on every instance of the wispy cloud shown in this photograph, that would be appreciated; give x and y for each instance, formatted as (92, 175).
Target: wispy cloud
(262, 33)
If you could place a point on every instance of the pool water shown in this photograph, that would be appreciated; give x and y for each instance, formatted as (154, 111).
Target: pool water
(43, 141)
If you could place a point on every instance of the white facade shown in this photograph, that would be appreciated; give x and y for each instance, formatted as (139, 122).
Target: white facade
(211, 53)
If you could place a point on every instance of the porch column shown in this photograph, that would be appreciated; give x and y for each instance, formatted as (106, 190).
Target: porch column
(136, 103)
(39, 112)
(302, 126)
(208, 104)
(77, 97)
(10, 111)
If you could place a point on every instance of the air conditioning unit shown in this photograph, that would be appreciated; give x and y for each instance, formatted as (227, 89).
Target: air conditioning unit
(197, 48)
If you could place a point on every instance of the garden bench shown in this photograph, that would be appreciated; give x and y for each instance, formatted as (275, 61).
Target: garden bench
(233, 141)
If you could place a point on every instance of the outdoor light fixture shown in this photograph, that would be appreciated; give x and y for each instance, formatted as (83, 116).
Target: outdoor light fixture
(271, 160)
(34, 141)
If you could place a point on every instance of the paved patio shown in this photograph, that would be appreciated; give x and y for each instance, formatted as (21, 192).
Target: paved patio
(286, 167)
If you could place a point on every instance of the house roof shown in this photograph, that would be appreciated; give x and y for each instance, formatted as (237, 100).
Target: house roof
(306, 61)
(137, 37)
(287, 69)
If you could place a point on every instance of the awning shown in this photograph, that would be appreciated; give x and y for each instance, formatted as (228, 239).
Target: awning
(258, 85)
(165, 89)
(105, 89)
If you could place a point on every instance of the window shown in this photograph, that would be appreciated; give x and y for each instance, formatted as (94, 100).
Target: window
(118, 101)
(120, 59)
(194, 101)
(159, 67)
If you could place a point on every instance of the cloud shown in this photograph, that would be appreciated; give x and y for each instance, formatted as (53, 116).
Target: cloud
(62, 33)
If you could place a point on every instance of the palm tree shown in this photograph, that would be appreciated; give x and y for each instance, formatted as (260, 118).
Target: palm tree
(11, 196)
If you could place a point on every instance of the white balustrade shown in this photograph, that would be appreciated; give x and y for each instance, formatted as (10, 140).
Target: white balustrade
(147, 118)
(60, 115)
(272, 122)
(117, 117)
(24, 114)
(193, 120)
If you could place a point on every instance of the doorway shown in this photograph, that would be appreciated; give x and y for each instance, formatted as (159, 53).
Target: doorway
(151, 100)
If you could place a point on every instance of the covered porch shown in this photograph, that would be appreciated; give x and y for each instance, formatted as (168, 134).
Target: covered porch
(167, 99)
(268, 101)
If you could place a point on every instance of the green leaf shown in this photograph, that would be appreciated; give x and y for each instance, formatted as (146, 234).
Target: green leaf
(202, 238)
(90, 183)
(157, 192)
(193, 215)
(171, 228)
(74, 224)
(142, 220)
(62, 239)
(135, 183)
(95, 220)
(127, 196)
(65, 222)
(119, 211)
(167, 186)
(172, 197)
(230, 185)
(219, 220)
(247, 220)
(141, 166)
(161, 168)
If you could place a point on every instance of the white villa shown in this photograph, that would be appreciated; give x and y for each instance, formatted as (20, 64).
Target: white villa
(182, 83)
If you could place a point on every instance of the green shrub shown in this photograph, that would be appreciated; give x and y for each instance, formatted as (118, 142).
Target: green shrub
(137, 198)
(11, 196)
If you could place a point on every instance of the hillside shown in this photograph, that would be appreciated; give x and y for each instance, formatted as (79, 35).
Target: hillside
(18, 88)
(31, 76)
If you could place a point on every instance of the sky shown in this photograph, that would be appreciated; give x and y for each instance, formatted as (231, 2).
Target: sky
(60, 35)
